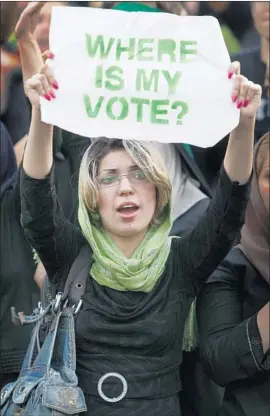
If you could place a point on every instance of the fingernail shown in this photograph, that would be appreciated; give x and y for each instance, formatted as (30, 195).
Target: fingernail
(52, 94)
(51, 55)
(234, 98)
(48, 98)
(246, 102)
(230, 74)
(239, 104)
(55, 85)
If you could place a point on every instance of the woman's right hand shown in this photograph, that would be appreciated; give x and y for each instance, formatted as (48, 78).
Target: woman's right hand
(41, 84)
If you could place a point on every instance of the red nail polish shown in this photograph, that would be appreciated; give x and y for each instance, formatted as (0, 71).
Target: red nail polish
(48, 98)
(52, 94)
(51, 55)
(230, 74)
(55, 85)
(246, 102)
(234, 98)
(239, 104)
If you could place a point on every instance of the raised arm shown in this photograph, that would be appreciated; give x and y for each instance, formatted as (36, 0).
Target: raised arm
(232, 349)
(205, 247)
(56, 241)
(30, 54)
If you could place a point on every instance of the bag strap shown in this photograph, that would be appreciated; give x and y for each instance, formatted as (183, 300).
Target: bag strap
(74, 287)
(77, 277)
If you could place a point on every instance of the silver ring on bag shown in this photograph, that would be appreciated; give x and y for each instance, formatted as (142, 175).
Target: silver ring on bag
(113, 399)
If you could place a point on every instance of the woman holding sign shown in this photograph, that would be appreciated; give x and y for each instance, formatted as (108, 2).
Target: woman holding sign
(141, 283)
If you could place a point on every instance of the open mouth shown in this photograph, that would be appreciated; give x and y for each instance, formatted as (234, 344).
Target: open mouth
(128, 209)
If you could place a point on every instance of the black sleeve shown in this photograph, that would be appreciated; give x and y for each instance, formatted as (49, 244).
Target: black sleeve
(201, 251)
(17, 110)
(231, 348)
(56, 241)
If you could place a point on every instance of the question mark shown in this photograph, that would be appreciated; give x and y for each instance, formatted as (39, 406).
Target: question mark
(183, 112)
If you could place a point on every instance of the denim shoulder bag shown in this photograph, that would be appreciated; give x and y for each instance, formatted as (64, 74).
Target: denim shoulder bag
(47, 384)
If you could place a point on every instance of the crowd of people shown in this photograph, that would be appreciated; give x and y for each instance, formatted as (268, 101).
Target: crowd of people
(128, 201)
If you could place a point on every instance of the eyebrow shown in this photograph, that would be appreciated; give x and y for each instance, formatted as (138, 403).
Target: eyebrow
(114, 170)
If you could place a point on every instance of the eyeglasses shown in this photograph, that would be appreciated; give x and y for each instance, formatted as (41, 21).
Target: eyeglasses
(113, 179)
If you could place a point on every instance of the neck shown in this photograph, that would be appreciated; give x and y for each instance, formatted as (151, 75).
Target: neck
(264, 50)
(127, 244)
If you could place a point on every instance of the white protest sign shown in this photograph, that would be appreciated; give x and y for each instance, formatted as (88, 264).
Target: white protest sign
(142, 76)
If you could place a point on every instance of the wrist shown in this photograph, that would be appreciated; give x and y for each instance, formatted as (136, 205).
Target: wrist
(247, 123)
(36, 110)
(26, 40)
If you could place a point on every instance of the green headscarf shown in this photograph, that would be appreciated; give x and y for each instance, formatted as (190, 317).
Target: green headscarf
(113, 269)
(141, 271)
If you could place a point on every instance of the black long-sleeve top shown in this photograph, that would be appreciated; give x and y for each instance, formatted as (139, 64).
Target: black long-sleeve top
(138, 335)
(230, 342)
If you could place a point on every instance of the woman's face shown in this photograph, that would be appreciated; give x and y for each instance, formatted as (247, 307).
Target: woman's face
(264, 182)
(126, 206)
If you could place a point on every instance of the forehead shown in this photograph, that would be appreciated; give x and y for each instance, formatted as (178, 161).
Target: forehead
(116, 159)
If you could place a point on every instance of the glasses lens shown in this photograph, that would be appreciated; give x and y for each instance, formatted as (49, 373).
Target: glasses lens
(137, 176)
(109, 180)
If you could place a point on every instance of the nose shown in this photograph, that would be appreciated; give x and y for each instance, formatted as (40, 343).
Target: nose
(125, 187)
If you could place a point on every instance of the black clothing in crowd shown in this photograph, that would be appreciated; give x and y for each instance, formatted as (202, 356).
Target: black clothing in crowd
(254, 69)
(17, 267)
(230, 341)
(15, 112)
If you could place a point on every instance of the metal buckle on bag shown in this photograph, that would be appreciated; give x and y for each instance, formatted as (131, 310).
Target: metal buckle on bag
(58, 298)
(112, 399)
(75, 308)
(40, 307)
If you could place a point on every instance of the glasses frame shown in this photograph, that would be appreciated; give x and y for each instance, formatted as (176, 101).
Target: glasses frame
(126, 175)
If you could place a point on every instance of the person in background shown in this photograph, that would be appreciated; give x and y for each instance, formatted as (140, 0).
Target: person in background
(233, 307)
(13, 101)
(67, 148)
(252, 38)
(234, 17)
(254, 63)
(14, 104)
(10, 12)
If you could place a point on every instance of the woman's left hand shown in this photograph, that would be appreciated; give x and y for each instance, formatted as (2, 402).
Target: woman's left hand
(245, 94)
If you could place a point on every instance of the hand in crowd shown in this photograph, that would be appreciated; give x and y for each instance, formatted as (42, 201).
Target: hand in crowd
(42, 84)
(246, 95)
